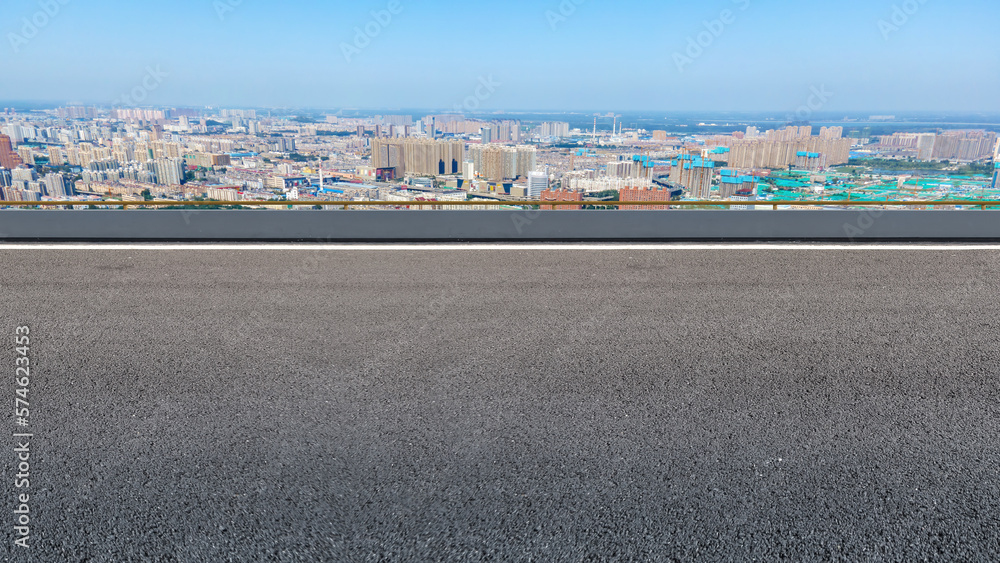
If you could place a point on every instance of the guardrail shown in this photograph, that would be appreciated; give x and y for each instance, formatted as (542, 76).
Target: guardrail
(982, 204)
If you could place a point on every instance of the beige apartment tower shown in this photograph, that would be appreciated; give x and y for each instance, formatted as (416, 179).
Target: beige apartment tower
(420, 157)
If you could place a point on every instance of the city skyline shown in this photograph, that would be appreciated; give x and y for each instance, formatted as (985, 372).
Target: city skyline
(577, 55)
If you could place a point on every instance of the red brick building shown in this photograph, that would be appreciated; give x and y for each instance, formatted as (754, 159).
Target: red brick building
(561, 195)
(656, 193)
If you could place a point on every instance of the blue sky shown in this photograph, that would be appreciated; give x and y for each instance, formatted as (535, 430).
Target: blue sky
(551, 54)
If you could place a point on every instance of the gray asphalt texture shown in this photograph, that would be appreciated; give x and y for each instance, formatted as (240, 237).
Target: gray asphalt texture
(723, 405)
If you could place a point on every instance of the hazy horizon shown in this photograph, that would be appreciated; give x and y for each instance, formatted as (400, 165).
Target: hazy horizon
(860, 114)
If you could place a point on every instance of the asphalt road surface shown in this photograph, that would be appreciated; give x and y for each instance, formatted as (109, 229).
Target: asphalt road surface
(506, 405)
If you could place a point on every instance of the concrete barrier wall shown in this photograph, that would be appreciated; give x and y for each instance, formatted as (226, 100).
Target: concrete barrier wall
(375, 226)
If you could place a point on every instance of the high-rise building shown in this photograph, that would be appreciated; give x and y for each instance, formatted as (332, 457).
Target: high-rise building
(694, 173)
(639, 166)
(31, 195)
(55, 156)
(398, 120)
(805, 160)
(56, 186)
(831, 132)
(964, 145)
(506, 131)
(24, 174)
(733, 182)
(925, 146)
(15, 132)
(169, 171)
(8, 157)
(240, 113)
(26, 155)
(618, 169)
(553, 129)
(85, 154)
(527, 160)
(418, 156)
(77, 112)
(136, 114)
(779, 149)
(500, 163)
(538, 182)
(387, 159)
